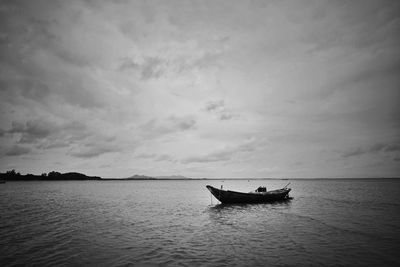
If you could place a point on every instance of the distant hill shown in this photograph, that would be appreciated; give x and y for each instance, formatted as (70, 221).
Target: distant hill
(139, 177)
(172, 177)
(145, 177)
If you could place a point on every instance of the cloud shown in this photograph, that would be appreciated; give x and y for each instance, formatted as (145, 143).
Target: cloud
(48, 134)
(373, 149)
(41, 57)
(156, 157)
(50, 144)
(150, 68)
(215, 105)
(17, 150)
(225, 153)
(128, 64)
(65, 135)
(182, 123)
(354, 152)
(97, 144)
(146, 155)
(174, 64)
(391, 148)
(27, 88)
(32, 131)
(225, 116)
(159, 127)
(165, 157)
(204, 60)
(212, 157)
(357, 28)
(92, 151)
(218, 108)
(64, 87)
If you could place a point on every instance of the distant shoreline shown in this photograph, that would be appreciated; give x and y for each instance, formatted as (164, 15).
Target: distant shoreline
(75, 176)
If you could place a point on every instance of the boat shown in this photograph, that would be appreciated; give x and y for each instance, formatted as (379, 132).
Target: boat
(260, 195)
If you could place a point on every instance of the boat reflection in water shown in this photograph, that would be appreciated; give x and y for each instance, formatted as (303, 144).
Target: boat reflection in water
(260, 195)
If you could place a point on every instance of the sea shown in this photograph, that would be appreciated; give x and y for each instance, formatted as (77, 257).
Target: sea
(328, 222)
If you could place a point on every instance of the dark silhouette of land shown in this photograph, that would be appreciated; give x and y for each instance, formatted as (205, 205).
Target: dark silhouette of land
(51, 176)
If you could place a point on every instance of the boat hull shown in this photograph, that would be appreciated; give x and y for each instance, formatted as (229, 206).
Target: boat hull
(227, 196)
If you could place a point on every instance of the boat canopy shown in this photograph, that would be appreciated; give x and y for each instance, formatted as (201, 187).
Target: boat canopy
(261, 189)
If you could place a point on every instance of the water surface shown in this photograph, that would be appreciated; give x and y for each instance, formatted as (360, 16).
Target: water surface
(178, 223)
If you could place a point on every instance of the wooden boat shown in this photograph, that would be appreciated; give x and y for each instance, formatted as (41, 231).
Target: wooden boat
(260, 195)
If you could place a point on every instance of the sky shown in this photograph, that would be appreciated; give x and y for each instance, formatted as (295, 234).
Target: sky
(251, 89)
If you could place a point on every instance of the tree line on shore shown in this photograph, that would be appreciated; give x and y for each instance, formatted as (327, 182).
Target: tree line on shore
(53, 175)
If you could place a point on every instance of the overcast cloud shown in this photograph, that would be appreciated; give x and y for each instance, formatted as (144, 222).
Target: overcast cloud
(201, 88)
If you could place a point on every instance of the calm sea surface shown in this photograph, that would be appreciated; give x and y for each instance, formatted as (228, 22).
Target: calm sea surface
(158, 223)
